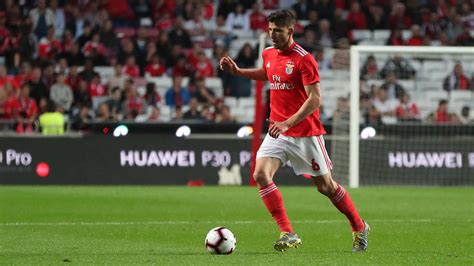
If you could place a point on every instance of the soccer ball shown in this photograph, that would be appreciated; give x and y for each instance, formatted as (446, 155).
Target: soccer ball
(220, 240)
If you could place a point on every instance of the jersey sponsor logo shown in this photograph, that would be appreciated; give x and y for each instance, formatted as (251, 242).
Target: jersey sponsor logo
(315, 165)
(289, 67)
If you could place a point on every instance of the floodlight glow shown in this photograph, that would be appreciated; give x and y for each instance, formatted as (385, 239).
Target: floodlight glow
(244, 131)
(121, 130)
(183, 131)
(368, 132)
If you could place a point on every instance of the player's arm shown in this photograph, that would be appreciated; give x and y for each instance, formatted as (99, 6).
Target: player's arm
(309, 106)
(227, 64)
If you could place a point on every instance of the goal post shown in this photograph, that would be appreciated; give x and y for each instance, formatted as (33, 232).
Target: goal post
(437, 154)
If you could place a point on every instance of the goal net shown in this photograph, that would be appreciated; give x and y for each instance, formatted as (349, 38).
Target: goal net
(410, 119)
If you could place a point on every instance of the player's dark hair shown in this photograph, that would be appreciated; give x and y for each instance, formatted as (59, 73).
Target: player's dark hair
(282, 18)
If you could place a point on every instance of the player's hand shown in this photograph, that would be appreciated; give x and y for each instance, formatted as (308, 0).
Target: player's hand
(276, 128)
(227, 64)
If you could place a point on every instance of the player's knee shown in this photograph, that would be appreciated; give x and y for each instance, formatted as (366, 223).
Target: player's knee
(324, 189)
(262, 178)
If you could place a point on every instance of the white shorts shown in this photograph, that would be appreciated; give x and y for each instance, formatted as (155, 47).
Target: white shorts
(307, 155)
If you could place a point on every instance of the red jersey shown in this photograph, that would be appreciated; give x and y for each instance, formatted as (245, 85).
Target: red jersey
(288, 71)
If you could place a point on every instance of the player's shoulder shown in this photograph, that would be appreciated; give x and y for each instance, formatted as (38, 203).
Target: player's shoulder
(269, 50)
(299, 51)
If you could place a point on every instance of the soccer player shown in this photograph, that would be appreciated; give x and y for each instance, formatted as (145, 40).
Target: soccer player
(296, 132)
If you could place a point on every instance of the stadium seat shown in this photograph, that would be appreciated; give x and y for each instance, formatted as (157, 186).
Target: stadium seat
(461, 98)
(360, 35)
(216, 85)
(381, 35)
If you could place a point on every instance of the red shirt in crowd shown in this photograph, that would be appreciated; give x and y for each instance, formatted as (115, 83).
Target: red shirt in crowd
(155, 70)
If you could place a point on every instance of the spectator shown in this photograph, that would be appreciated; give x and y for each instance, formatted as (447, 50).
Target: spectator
(48, 46)
(52, 122)
(395, 38)
(392, 87)
(118, 79)
(376, 18)
(88, 73)
(465, 38)
(73, 78)
(130, 68)
(400, 66)
(456, 80)
(61, 93)
(96, 89)
(220, 32)
(258, 20)
(134, 105)
(326, 36)
(324, 63)
(325, 9)
(442, 116)
(115, 103)
(301, 9)
(82, 120)
(341, 57)
(203, 66)
(179, 35)
(432, 27)
(356, 18)
(109, 38)
(155, 115)
(193, 112)
(155, 68)
(177, 96)
(203, 94)
(42, 18)
(38, 88)
(3, 101)
(151, 95)
(178, 113)
(104, 114)
(398, 18)
(141, 46)
(196, 26)
(241, 87)
(465, 117)
(86, 35)
(370, 69)
(385, 107)
(81, 95)
(95, 50)
(238, 19)
(313, 22)
(407, 110)
(163, 46)
(339, 25)
(23, 109)
(225, 116)
(59, 19)
(415, 39)
(181, 68)
(4, 78)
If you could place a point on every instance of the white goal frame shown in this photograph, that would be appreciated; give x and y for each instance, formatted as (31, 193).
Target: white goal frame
(354, 135)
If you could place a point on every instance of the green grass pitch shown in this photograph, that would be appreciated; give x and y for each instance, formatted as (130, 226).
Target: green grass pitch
(166, 226)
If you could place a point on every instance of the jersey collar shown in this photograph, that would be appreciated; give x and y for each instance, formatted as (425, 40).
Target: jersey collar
(289, 49)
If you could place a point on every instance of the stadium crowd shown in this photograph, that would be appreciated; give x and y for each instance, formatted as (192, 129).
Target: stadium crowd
(49, 51)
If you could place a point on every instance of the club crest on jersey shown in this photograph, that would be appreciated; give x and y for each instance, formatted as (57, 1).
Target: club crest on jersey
(289, 67)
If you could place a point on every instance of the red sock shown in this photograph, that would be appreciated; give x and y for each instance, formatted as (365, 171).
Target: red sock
(273, 200)
(344, 204)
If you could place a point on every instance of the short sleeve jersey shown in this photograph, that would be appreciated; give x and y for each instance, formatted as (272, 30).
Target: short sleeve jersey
(288, 72)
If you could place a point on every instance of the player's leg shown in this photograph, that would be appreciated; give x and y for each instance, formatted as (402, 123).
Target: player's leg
(269, 159)
(339, 197)
(308, 156)
(265, 169)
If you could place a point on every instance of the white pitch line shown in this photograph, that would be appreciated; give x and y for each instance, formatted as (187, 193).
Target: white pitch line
(203, 222)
